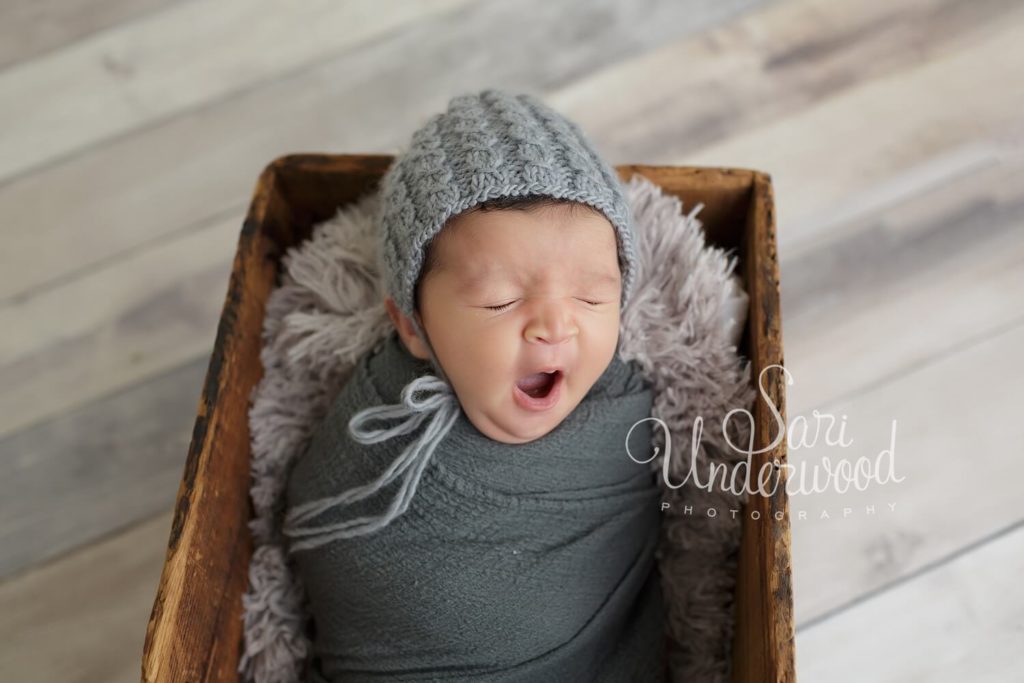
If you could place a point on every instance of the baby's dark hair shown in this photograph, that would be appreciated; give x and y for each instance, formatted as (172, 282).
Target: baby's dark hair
(527, 202)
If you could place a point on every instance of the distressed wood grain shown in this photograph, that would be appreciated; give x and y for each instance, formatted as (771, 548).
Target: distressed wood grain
(31, 28)
(82, 618)
(369, 98)
(166, 63)
(79, 477)
(959, 620)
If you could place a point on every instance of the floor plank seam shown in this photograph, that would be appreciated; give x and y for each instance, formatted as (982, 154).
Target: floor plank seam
(966, 344)
(113, 259)
(926, 568)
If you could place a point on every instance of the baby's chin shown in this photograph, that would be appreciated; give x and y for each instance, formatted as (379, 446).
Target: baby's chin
(507, 432)
(513, 424)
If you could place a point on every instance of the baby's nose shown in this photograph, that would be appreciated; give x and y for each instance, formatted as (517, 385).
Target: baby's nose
(552, 323)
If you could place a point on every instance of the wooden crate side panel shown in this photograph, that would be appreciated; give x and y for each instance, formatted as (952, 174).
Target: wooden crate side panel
(763, 647)
(194, 631)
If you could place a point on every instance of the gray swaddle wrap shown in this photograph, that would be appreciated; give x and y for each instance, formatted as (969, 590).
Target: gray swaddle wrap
(513, 562)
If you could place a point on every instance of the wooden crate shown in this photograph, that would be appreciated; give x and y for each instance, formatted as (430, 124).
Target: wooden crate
(195, 628)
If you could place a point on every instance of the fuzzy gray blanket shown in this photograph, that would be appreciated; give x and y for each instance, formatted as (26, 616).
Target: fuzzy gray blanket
(681, 327)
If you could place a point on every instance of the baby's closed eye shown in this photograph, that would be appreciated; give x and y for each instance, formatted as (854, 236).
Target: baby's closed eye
(502, 307)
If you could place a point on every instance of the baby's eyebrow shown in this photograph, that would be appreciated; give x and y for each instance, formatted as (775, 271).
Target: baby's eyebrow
(478, 277)
(603, 277)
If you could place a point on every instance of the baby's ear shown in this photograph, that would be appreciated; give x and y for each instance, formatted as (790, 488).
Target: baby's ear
(406, 330)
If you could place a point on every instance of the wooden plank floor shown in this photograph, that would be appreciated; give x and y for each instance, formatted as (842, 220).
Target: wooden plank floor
(134, 132)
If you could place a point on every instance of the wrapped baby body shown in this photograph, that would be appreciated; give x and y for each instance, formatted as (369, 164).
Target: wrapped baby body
(513, 562)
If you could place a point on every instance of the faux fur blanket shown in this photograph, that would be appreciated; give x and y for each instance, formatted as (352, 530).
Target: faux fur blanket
(682, 325)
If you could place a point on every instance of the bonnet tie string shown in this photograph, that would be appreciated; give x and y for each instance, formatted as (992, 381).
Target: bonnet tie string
(438, 404)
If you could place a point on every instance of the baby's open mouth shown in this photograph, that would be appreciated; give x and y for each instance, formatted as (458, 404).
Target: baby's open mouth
(539, 384)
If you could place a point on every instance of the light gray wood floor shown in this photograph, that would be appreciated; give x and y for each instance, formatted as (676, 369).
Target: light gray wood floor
(132, 135)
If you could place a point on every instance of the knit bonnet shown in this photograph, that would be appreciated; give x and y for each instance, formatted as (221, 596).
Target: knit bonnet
(488, 145)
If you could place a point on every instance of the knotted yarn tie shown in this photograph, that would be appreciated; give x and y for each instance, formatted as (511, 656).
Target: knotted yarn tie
(440, 405)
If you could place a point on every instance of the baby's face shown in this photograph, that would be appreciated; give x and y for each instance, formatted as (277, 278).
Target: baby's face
(516, 293)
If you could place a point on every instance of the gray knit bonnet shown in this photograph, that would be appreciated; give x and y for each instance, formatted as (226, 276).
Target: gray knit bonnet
(486, 146)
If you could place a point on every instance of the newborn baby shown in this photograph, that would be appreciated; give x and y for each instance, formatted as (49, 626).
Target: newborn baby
(468, 509)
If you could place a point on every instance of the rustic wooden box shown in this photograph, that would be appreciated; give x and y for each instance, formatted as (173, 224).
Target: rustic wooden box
(195, 629)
